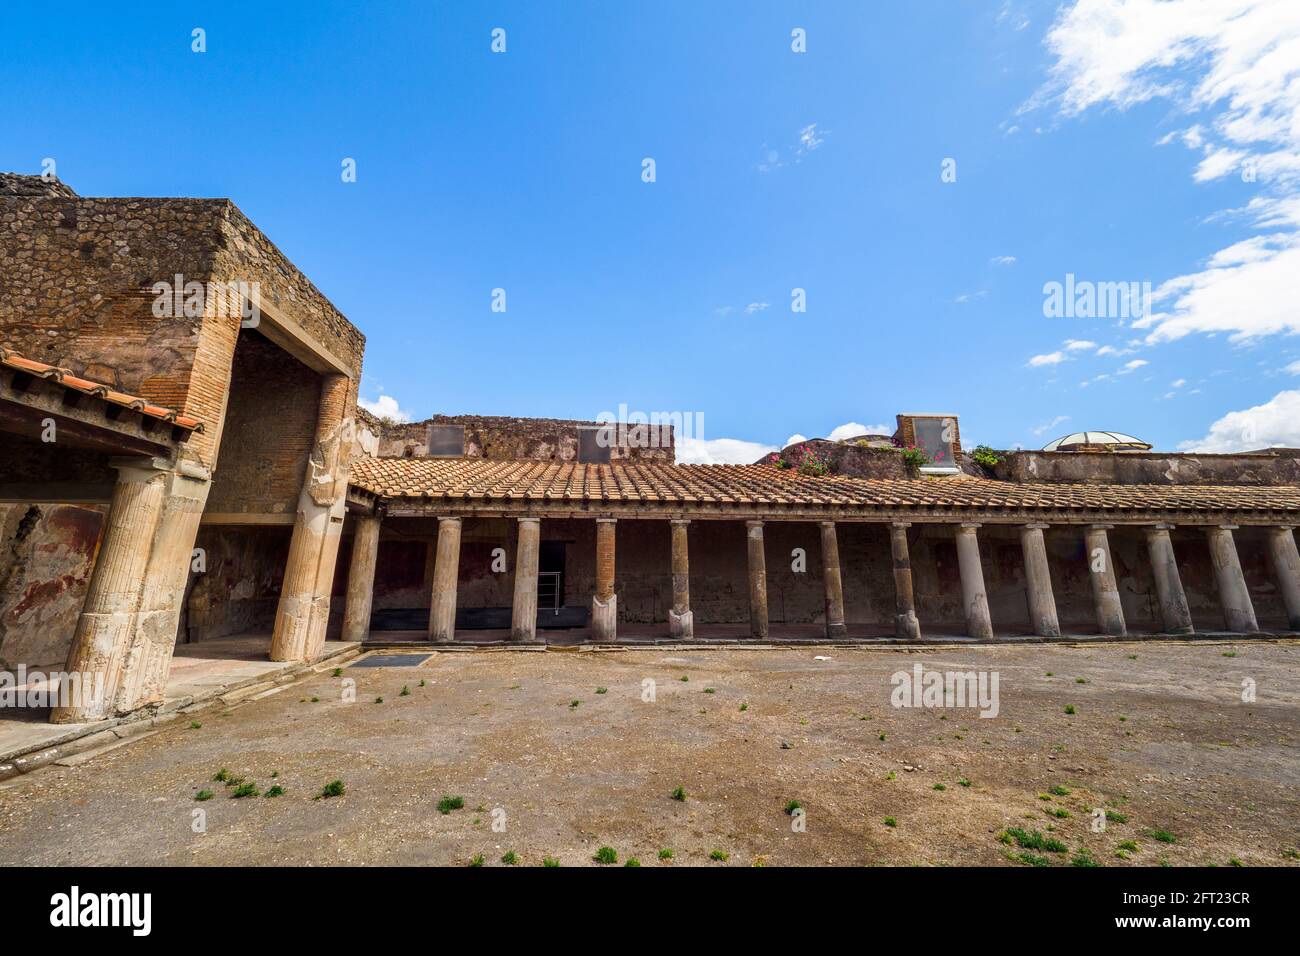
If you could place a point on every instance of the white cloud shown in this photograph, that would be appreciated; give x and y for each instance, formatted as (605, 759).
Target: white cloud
(794, 439)
(1235, 66)
(971, 296)
(1293, 368)
(1003, 260)
(755, 307)
(720, 451)
(1275, 423)
(810, 138)
(1132, 366)
(385, 406)
(853, 429)
(1178, 383)
(1059, 419)
(1079, 345)
(1051, 358)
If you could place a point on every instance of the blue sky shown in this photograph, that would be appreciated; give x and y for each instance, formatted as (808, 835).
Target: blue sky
(1081, 146)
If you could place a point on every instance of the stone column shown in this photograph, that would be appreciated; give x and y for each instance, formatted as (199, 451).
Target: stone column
(108, 616)
(604, 603)
(1101, 573)
(303, 612)
(832, 581)
(523, 613)
(1286, 567)
(1038, 582)
(446, 575)
(681, 622)
(1174, 613)
(361, 578)
(978, 623)
(1238, 612)
(171, 558)
(906, 626)
(757, 580)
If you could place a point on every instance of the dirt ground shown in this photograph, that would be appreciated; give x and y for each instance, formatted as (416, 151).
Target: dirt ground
(1160, 735)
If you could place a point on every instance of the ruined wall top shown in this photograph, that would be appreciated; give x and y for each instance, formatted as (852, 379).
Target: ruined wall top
(508, 439)
(16, 184)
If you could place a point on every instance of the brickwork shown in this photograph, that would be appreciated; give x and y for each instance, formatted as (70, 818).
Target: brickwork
(269, 430)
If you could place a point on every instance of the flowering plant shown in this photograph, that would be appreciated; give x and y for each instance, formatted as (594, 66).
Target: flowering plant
(804, 460)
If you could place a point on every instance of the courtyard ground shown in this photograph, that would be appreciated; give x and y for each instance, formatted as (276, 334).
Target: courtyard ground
(564, 750)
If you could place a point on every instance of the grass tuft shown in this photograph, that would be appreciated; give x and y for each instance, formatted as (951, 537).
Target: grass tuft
(448, 804)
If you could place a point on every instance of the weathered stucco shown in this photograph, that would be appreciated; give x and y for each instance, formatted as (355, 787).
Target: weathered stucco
(47, 552)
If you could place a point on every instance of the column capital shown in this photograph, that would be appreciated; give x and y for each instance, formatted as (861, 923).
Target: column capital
(1036, 526)
(754, 523)
(1284, 528)
(679, 521)
(970, 526)
(1100, 527)
(1222, 527)
(606, 520)
(826, 523)
(533, 520)
(900, 525)
(449, 520)
(1160, 526)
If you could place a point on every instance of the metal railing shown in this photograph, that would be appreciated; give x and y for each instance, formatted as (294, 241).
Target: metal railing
(549, 591)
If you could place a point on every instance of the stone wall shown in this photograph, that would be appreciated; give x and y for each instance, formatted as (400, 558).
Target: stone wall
(503, 438)
(1277, 466)
(269, 431)
(76, 290)
(851, 459)
(239, 590)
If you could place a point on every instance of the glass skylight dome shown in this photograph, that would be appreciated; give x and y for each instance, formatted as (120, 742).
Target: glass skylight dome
(1091, 441)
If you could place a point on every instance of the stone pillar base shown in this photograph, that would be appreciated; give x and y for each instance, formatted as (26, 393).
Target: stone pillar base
(681, 625)
(907, 627)
(836, 630)
(604, 619)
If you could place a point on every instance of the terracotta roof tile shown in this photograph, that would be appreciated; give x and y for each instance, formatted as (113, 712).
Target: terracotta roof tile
(470, 479)
(64, 377)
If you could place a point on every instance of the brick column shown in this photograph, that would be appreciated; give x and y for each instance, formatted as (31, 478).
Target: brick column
(978, 623)
(361, 578)
(303, 612)
(446, 575)
(1286, 568)
(757, 580)
(126, 632)
(1038, 582)
(523, 613)
(1176, 617)
(681, 622)
(832, 581)
(604, 603)
(906, 626)
(1101, 573)
(1238, 612)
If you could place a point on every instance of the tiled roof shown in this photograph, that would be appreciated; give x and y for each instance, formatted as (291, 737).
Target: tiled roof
(64, 377)
(503, 482)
